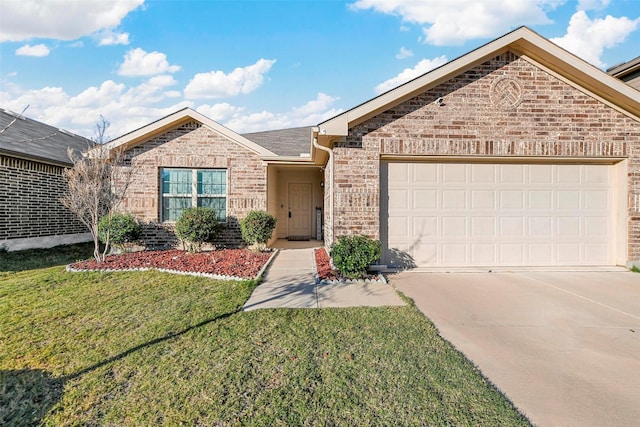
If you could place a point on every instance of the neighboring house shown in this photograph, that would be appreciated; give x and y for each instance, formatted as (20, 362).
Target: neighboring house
(515, 154)
(628, 72)
(33, 156)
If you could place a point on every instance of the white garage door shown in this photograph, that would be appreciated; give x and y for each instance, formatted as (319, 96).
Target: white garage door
(449, 214)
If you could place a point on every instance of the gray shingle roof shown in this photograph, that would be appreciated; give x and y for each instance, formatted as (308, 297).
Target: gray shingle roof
(284, 142)
(38, 141)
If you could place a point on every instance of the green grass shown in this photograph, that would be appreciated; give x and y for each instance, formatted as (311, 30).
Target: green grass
(152, 348)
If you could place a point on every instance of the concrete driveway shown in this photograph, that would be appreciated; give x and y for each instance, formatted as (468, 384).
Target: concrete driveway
(563, 346)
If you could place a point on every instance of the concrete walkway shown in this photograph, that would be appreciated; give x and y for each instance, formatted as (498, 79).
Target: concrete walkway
(289, 282)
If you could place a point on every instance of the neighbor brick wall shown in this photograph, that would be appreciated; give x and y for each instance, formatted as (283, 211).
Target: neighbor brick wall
(194, 146)
(30, 201)
(545, 117)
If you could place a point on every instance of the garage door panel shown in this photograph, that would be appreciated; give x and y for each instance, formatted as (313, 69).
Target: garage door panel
(568, 227)
(511, 199)
(454, 254)
(425, 199)
(454, 226)
(499, 214)
(540, 254)
(568, 199)
(512, 227)
(540, 199)
(512, 253)
(453, 173)
(483, 199)
(454, 199)
(483, 254)
(483, 174)
(596, 200)
(424, 227)
(483, 226)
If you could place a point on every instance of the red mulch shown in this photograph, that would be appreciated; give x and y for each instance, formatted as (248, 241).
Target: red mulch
(323, 264)
(225, 262)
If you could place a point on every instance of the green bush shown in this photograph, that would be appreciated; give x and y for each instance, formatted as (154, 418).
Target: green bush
(257, 228)
(197, 226)
(121, 230)
(352, 255)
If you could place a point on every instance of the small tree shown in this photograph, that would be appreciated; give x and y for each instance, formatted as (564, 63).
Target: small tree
(197, 226)
(96, 184)
(257, 228)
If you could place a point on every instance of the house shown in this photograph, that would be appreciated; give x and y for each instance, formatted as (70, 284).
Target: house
(33, 156)
(515, 154)
(628, 72)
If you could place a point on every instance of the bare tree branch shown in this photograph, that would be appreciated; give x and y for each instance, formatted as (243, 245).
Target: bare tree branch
(14, 120)
(97, 183)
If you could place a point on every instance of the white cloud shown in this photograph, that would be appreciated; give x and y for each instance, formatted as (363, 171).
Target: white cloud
(110, 37)
(60, 19)
(404, 53)
(588, 38)
(35, 50)
(454, 22)
(410, 73)
(592, 4)
(311, 113)
(138, 62)
(220, 112)
(127, 108)
(217, 84)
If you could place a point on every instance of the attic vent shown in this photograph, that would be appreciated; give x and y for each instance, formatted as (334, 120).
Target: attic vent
(14, 114)
(66, 132)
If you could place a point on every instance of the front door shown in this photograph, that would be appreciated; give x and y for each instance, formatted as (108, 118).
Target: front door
(299, 210)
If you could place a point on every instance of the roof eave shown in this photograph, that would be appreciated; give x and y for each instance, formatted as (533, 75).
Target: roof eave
(178, 118)
(522, 41)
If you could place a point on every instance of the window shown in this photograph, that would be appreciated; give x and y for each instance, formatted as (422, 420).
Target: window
(185, 188)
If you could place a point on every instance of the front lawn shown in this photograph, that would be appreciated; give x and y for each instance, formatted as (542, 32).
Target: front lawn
(148, 348)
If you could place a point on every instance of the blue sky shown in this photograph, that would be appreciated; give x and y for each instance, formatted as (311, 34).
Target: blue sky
(258, 65)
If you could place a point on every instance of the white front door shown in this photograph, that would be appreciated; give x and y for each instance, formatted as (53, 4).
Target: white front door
(300, 212)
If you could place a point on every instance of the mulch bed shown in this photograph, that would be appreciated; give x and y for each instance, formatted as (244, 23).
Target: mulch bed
(327, 275)
(323, 264)
(241, 263)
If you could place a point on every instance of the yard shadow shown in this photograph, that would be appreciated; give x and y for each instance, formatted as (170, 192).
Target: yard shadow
(26, 395)
(31, 259)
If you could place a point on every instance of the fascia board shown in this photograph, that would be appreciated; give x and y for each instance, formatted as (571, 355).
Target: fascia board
(138, 136)
(522, 41)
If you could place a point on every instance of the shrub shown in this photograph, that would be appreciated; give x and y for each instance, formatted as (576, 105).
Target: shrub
(352, 255)
(197, 226)
(120, 231)
(257, 228)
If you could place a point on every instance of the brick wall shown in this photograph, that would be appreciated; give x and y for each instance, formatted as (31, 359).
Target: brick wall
(505, 107)
(29, 201)
(194, 146)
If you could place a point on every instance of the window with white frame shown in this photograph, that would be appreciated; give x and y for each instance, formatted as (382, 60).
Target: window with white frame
(185, 188)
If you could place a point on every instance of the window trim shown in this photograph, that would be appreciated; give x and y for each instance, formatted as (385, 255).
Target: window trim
(194, 191)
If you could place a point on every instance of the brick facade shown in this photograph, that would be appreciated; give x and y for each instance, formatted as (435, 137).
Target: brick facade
(30, 201)
(194, 146)
(504, 107)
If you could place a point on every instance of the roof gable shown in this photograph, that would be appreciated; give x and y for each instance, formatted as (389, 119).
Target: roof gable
(523, 42)
(185, 115)
(28, 138)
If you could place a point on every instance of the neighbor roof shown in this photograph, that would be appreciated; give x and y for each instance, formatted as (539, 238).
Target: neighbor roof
(523, 42)
(628, 72)
(284, 142)
(34, 140)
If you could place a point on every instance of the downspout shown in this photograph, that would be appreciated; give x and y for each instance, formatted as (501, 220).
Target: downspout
(330, 152)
